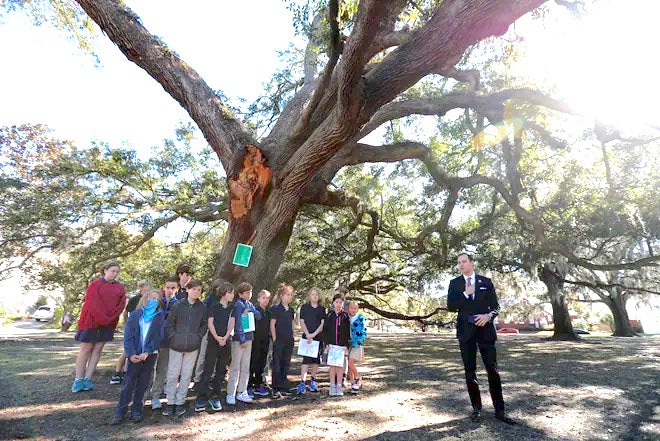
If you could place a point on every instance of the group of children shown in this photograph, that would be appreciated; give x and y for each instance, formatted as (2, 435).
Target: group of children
(168, 330)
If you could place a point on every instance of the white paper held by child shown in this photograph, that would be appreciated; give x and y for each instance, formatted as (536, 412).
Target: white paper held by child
(336, 355)
(310, 350)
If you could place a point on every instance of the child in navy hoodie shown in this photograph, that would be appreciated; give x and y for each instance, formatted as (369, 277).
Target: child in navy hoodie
(142, 337)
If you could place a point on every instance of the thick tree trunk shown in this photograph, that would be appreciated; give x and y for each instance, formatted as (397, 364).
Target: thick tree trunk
(264, 263)
(561, 317)
(252, 206)
(616, 301)
(554, 282)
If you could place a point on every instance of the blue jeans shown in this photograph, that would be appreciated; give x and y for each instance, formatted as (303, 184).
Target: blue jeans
(135, 384)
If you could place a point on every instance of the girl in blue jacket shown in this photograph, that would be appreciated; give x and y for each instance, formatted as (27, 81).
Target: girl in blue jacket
(142, 337)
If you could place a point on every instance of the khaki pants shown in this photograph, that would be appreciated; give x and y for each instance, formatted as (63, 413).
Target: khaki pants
(239, 370)
(199, 367)
(160, 373)
(180, 368)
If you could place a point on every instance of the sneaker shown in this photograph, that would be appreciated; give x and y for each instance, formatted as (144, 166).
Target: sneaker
(300, 390)
(231, 400)
(168, 410)
(87, 384)
(261, 391)
(276, 395)
(78, 385)
(339, 391)
(155, 404)
(200, 405)
(286, 392)
(332, 392)
(355, 387)
(215, 404)
(250, 392)
(117, 378)
(137, 418)
(313, 386)
(244, 397)
(117, 420)
(179, 411)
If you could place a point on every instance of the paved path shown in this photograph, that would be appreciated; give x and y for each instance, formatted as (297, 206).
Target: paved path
(24, 328)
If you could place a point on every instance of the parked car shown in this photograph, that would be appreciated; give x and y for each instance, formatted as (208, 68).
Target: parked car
(508, 331)
(45, 313)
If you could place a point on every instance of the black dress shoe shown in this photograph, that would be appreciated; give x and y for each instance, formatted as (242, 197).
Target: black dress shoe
(500, 415)
(476, 415)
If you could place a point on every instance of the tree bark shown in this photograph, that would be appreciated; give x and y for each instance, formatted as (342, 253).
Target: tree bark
(616, 301)
(554, 282)
(264, 262)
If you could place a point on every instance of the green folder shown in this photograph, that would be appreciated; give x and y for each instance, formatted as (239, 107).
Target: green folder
(247, 320)
(242, 254)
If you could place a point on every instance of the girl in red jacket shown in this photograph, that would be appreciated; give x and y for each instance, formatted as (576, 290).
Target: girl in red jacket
(104, 302)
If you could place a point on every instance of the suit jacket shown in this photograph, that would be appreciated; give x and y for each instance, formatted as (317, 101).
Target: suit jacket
(133, 336)
(485, 302)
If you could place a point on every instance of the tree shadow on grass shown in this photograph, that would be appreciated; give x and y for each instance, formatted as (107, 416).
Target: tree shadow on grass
(600, 389)
(463, 428)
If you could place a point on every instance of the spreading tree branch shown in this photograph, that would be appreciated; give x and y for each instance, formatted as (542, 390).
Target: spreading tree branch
(601, 285)
(302, 126)
(439, 106)
(397, 315)
(311, 50)
(222, 130)
(440, 44)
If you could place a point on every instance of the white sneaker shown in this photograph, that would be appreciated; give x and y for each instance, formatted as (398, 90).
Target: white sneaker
(231, 400)
(244, 397)
(339, 391)
(331, 392)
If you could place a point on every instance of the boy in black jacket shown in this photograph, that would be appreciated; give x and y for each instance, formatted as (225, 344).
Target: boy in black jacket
(186, 325)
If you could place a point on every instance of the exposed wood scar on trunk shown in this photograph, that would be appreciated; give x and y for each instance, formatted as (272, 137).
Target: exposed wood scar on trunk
(252, 180)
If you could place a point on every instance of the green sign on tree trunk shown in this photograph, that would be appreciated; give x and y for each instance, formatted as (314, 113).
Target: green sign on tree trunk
(242, 255)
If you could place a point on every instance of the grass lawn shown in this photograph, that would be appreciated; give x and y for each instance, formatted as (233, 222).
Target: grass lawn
(601, 388)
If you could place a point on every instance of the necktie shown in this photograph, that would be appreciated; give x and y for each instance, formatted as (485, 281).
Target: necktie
(469, 283)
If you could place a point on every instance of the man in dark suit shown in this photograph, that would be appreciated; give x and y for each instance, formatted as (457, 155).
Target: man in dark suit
(473, 297)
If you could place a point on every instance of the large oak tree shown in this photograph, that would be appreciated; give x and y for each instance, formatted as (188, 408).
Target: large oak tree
(319, 130)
